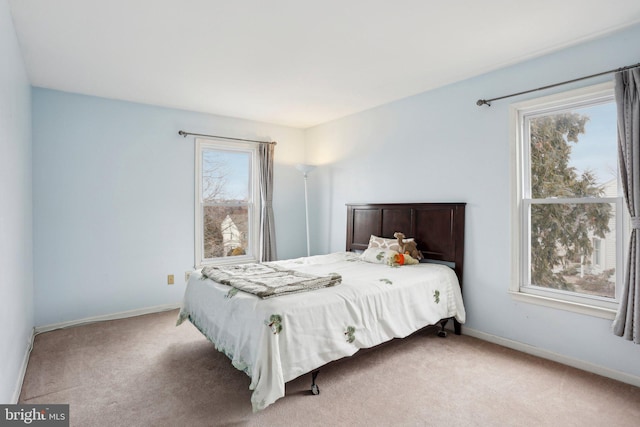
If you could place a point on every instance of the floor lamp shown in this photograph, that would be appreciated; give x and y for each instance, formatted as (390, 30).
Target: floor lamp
(305, 169)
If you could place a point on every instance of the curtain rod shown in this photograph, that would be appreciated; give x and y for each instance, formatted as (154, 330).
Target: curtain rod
(482, 102)
(184, 135)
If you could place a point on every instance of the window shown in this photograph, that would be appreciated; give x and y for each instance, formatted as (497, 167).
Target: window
(227, 202)
(569, 216)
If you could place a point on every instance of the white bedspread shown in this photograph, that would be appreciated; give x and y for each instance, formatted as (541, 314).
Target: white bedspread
(279, 339)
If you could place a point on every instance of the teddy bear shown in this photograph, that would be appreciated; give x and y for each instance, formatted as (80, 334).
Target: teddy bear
(407, 247)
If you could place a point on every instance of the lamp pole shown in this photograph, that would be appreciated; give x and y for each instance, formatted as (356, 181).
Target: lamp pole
(306, 213)
(305, 169)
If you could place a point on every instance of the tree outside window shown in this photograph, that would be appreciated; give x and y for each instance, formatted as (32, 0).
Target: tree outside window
(226, 202)
(562, 233)
(571, 210)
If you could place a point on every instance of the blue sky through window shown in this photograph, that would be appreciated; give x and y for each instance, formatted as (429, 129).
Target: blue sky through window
(597, 147)
(234, 167)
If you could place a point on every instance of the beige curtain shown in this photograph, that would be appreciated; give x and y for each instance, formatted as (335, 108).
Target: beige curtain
(267, 225)
(627, 92)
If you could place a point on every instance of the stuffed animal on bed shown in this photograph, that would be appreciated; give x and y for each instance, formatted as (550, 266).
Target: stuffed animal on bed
(407, 247)
(402, 259)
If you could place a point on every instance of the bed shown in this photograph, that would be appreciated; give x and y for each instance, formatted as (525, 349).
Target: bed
(276, 340)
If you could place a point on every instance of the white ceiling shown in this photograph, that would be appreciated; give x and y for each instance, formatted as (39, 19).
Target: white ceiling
(298, 62)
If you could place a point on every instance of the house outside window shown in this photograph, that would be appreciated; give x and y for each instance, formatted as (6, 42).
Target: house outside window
(597, 254)
(227, 202)
(569, 217)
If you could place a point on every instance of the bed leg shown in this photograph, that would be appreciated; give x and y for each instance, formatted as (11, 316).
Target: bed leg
(314, 387)
(457, 327)
(442, 333)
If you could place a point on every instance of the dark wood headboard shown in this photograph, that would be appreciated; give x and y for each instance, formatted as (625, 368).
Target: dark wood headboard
(438, 228)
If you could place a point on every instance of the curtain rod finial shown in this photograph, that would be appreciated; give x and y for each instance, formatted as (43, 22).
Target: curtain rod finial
(182, 133)
(482, 102)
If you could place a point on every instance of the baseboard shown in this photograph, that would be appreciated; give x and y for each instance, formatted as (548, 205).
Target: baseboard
(555, 357)
(114, 316)
(23, 368)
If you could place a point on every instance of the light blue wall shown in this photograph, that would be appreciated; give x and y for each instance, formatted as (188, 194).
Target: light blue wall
(16, 258)
(114, 201)
(440, 146)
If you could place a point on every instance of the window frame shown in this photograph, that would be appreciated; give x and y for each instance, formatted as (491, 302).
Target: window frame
(519, 287)
(254, 203)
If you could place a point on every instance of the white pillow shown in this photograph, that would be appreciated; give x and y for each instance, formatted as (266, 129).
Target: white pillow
(379, 255)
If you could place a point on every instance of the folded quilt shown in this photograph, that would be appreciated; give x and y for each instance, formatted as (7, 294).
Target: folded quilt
(267, 281)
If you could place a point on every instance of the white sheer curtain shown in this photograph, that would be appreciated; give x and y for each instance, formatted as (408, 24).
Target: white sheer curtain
(627, 92)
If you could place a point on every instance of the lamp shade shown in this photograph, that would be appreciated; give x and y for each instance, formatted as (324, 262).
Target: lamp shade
(305, 169)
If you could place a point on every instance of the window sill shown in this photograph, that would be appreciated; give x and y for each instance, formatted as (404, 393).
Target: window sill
(590, 310)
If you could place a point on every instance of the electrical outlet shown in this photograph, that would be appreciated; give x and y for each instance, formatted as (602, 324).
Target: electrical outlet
(187, 274)
(170, 279)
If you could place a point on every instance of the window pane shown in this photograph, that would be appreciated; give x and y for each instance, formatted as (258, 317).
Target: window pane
(563, 253)
(574, 153)
(226, 230)
(225, 176)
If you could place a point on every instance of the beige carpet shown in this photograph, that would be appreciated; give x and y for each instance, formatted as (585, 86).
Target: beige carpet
(144, 371)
